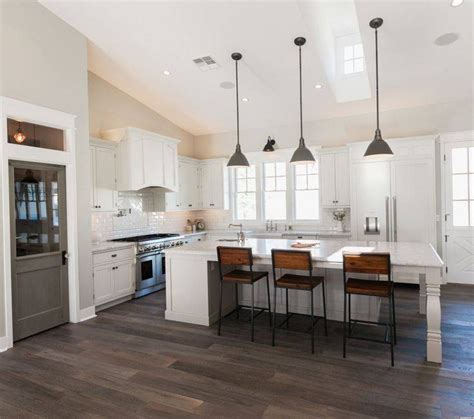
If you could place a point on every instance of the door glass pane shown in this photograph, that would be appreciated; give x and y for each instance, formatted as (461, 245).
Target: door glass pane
(36, 211)
(460, 213)
(471, 206)
(460, 187)
(34, 135)
(459, 159)
(471, 186)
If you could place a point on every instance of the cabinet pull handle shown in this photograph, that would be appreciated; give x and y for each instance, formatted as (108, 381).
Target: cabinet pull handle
(211, 205)
(114, 255)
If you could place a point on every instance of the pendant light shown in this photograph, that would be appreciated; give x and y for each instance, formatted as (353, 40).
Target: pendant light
(237, 159)
(19, 136)
(378, 148)
(302, 154)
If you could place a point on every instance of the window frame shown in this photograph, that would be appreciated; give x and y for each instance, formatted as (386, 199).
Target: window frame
(259, 159)
(294, 190)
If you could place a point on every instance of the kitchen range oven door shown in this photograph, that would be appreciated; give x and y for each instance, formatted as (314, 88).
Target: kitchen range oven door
(147, 271)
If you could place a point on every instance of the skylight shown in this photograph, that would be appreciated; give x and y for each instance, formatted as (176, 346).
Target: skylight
(353, 59)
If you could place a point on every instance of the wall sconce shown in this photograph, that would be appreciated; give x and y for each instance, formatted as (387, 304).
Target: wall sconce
(269, 145)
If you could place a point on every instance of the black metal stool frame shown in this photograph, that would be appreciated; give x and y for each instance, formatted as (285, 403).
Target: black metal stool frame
(390, 327)
(314, 319)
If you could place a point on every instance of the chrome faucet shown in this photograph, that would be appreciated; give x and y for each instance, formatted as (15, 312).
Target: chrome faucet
(240, 234)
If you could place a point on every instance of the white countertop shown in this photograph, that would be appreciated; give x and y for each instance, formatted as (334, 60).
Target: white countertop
(109, 245)
(403, 254)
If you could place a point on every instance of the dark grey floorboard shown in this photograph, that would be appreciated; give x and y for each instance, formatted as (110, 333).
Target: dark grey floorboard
(130, 362)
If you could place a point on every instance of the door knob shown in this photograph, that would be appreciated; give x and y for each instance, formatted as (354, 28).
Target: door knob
(65, 257)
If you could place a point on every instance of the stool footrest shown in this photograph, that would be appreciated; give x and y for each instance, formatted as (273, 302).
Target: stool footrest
(287, 318)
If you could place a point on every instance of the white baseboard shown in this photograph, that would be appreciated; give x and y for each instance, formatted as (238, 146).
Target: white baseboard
(87, 314)
(3, 344)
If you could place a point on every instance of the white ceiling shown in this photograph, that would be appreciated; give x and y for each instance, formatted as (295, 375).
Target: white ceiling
(133, 42)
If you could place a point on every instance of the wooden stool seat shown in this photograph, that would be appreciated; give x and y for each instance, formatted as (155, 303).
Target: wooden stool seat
(299, 282)
(369, 287)
(243, 277)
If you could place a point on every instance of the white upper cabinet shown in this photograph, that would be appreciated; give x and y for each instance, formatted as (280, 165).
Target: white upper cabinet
(144, 159)
(214, 184)
(187, 197)
(203, 184)
(335, 179)
(103, 175)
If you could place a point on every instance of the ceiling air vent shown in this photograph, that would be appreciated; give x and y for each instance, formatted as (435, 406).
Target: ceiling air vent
(206, 63)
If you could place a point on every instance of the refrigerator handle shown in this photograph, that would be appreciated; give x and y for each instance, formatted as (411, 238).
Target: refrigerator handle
(394, 215)
(387, 218)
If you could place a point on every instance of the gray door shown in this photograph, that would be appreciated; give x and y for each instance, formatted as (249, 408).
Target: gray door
(39, 248)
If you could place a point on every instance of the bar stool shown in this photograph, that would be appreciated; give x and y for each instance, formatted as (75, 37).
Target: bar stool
(369, 263)
(240, 256)
(299, 261)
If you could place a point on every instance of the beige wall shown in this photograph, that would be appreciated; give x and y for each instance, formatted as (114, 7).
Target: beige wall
(432, 119)
(44, 62)
(110, 107)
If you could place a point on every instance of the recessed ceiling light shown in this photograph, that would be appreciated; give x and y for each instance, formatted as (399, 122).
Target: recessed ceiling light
(456, 3)
(227, 85)
(446, 39)
(167, 73)
(318, 86)
(245, 99)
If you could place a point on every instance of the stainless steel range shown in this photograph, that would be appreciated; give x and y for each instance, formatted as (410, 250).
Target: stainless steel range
(151, 271)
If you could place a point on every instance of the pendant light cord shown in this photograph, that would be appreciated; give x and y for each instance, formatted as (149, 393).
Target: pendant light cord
(301, 97)
(377, 76)
(237, 98)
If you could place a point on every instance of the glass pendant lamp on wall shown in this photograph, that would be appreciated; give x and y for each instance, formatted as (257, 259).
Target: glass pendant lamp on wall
(237, 159)
(378, 148)
(302, 154)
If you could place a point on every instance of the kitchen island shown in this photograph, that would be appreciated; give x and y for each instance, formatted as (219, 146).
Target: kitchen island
(192, 281)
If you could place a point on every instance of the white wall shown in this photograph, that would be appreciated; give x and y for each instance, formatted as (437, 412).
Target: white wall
(44, 62)
(110, 108)
(396, 123)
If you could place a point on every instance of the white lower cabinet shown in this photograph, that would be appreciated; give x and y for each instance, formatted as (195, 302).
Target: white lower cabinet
(114, 275)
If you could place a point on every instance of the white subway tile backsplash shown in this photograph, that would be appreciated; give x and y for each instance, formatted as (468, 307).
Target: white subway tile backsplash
(141, 218)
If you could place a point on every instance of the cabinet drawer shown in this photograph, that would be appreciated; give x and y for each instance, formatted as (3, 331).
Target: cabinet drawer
(113, 255)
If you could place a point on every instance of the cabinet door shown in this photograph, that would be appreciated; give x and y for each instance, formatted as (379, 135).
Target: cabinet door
(217, 186)
(105, 179)
(342, 179)
(123, 278)
(103, 284)
(153, 162)
(194, 176)
(93, 178)
(371, 189)
(413, 201)
(206, 186)
(328, 180)
(170, 164)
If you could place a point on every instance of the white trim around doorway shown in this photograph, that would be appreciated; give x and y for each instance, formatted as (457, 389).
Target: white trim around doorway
(12, 108)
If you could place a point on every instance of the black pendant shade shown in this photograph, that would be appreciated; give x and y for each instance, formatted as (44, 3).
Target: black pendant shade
(378, 148)
(302, 154)
(237, 159)
(269, 145)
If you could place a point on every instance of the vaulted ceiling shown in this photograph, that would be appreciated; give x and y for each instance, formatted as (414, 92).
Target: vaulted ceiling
(132, 43)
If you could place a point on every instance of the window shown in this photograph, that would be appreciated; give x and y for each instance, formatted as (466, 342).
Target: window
(275, 191)
(353, 59)
(306, 192)
(245, 193)
(463, 186)
(33, 135)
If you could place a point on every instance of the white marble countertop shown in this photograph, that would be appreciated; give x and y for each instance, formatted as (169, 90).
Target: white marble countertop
(329, 251)
(190, 233)
(109, 245)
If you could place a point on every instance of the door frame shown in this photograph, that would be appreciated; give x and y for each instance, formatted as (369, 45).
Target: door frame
(447, 138)
(12, 108)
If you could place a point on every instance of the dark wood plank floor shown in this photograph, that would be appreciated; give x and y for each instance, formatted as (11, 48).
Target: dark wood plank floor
(130, 362)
